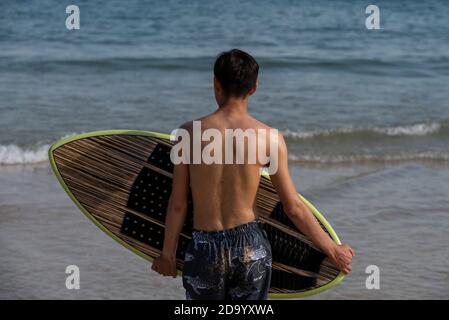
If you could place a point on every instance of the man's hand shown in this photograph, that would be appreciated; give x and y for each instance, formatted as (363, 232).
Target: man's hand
(165, 266)
(341, 257)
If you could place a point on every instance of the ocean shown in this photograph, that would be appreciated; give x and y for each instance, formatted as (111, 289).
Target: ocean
(365, 114)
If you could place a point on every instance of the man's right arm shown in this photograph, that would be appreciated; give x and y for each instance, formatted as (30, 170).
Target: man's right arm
(302, 217)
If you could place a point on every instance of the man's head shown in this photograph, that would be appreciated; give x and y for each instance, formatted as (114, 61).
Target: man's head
(235, 75)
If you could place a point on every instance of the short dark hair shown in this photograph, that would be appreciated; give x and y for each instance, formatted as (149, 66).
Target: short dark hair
(236, 71)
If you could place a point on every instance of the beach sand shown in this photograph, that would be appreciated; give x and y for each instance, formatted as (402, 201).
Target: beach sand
(395, 217)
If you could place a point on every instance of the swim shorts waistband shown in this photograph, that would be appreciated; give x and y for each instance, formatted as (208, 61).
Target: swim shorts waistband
(225, 233)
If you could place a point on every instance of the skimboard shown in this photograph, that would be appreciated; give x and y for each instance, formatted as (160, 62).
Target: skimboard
(121, 180)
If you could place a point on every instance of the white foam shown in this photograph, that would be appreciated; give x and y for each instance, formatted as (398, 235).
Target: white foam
(311, 134)
(13, 154)
(420, 129)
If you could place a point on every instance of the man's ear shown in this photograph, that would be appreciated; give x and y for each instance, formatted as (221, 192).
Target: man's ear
(217, 85)
(253, 89)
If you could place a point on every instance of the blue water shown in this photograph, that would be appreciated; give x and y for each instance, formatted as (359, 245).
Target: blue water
(365, 113)
(325, 80)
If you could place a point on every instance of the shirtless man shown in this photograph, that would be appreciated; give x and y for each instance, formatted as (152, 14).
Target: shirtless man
(229, 256)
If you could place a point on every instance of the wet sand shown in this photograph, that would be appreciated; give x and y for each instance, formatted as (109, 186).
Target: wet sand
(395, 217)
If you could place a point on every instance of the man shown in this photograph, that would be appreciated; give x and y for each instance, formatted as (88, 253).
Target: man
(229, 256)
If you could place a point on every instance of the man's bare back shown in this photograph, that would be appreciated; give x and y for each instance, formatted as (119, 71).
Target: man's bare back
(224, 194)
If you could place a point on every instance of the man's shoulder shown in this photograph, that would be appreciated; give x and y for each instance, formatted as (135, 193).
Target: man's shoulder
(188, 125)
(262, 125)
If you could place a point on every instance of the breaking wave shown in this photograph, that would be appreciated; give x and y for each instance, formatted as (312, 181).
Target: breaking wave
(420, 129)
(13, 154)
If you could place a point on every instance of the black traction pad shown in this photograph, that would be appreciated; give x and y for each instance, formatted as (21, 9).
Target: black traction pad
(292, 251)
(149, 233)
(279, 214)
(160, 157)
(290, 281)
(150, 194)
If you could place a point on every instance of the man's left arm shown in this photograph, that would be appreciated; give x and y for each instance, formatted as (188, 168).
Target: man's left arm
(165, 264)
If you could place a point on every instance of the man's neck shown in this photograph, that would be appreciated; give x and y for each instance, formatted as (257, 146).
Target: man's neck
(234, 105)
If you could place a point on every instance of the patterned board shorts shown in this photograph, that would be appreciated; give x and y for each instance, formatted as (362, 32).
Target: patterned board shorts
(232, 264)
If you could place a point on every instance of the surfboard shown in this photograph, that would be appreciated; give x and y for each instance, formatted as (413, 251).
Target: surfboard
(121, 180)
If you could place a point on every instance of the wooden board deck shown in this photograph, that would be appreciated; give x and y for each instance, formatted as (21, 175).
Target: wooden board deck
(122, 181)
